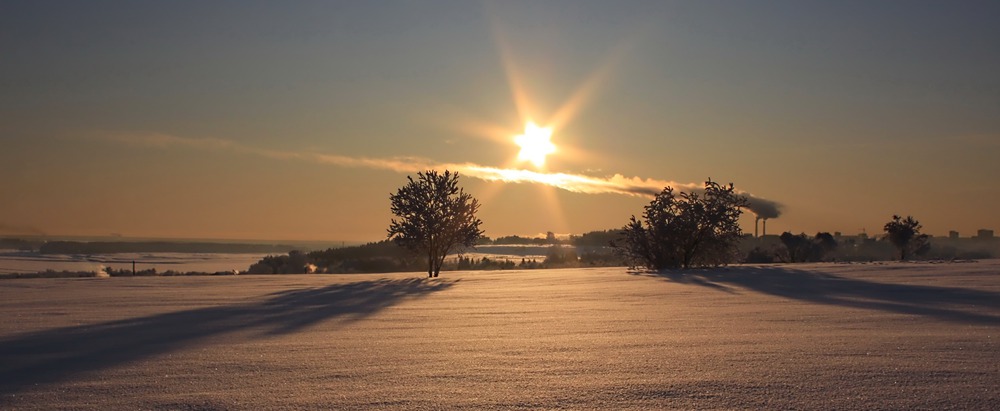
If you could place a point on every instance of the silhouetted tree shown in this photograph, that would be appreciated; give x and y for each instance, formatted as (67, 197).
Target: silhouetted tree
(800, 248)
(686, 230)
(550, 238)
(825, 244)
(904, 233)
(295, 262)
(595, 238)
(435, 217)
(796, 247)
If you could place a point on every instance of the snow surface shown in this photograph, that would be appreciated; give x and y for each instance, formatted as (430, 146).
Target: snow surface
(818, 336)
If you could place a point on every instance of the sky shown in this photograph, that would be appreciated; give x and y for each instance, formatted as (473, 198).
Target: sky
(296, 120)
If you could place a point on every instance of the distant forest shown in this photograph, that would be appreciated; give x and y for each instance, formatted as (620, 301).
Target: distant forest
(593, 250)
(587, 250)
(515, 252)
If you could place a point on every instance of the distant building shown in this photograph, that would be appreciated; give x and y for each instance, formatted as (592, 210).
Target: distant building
(953, 234)
(984, 234)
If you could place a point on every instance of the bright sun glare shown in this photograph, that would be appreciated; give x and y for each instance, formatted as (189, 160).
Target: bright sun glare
(535, 144)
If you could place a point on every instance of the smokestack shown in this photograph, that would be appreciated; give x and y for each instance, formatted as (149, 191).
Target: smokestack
(765, 228)
(756, 227)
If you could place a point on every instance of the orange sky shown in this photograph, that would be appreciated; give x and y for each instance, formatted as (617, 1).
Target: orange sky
(271, 121)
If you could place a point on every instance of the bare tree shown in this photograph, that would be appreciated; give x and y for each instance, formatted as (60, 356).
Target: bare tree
(435, 217)
(904, 233)
(685, 230)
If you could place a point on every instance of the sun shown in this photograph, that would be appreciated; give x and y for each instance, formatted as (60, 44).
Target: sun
(535, 144)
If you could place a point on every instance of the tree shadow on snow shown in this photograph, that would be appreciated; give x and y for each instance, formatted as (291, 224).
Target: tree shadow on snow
(944, 303)
(58, 354)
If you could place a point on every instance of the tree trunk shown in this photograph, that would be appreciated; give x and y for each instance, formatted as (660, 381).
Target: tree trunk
(437, 265)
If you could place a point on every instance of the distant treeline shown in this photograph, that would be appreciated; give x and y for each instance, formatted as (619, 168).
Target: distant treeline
(593, 250)
(824, 247)
(588, 250)
(386, 256)
(109, 272)
(19, 244)
(112, 247)
(593, 239)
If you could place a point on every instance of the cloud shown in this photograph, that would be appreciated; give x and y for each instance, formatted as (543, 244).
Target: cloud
(616, 184)
(577, 183)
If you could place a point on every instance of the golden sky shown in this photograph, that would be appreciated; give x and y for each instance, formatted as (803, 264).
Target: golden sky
(262, 120)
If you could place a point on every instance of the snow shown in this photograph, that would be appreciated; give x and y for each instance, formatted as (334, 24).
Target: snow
(817, 336)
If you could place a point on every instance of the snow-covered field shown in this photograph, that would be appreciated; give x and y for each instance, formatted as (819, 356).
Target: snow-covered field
(825, 336)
